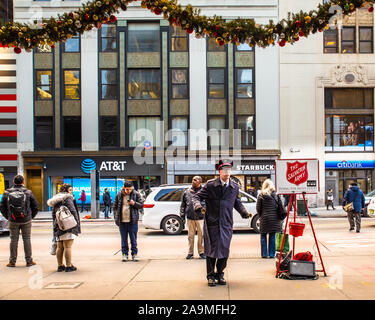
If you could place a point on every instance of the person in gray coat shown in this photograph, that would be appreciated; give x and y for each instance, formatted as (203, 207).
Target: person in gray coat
(267, 206)
(220, 196)
(65, 238)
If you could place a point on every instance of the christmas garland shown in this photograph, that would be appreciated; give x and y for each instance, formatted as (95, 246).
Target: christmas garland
(95, 13)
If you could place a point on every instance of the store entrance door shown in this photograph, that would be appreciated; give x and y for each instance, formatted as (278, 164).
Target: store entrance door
(254, 183)
(34, 182)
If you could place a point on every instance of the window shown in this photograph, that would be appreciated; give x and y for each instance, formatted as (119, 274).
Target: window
(72, 44)
(244, 47)
(331, 41)
(43, 84)
(6, 11)
(244, 85)
(143, 129)
(213, 46)
(72, 132)
(72, 84)
(349, 98)
(179, 131)
(144, 84)
(179, 39)
(246, 124)
(107, 39)
(349, 133)
(366, 40)
(108, 84)
(216, 83)
(43, 133)
(108, 132)
(215, 125)
(169, 195)
(143, 37)
(180, 82)
(45, 48)
(348, 40)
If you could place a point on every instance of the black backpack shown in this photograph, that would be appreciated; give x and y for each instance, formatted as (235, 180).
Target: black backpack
(16, 205)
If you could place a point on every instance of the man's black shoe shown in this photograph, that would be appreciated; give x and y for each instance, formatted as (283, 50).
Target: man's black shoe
(351, 229)
(189, 256)
(222, 281)
(211, 283)
(357, 231)
(203, 256)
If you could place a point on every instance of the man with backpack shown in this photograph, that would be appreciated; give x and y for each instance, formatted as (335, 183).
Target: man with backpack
(19, 206)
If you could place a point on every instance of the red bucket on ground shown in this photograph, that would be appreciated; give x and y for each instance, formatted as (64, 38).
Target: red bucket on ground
(296, 229)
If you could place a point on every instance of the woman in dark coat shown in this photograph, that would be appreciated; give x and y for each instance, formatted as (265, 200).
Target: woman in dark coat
(270, 222)
(65, 238)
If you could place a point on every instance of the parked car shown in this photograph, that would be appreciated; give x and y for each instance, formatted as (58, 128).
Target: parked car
(4, 225)
(369, 204)
(162, 210)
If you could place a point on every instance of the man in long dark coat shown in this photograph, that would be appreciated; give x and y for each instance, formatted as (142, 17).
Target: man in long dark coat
(221, 196)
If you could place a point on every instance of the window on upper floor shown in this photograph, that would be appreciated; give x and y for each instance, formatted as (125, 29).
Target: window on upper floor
(143, 129)
(108, 132)
(143, 37)
(72, 89)
(144, 84)
(180, 87)
(179, 132)
(216, 83)
(212, 46)
(43, 133)
(72, 44)
(246, 125)
(179, 39)
(108, 84)
(108, 38)
(43, 84)
(244, 83)
(6, 11)
(215, 125)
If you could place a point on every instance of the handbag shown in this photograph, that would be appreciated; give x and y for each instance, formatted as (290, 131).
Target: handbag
(349, 207)
(279, 240)
(280, 208)
(53, 247)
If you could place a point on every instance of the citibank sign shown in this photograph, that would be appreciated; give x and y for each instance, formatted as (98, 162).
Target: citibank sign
(88, 164)
(350, 164)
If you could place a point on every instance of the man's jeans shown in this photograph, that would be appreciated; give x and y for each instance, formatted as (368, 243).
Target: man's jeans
(271, 244)
(15, 229)
(83, 206)
(106, 210)
(127, 228)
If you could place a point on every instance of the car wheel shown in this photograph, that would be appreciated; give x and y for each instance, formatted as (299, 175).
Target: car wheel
(255, 223)
(172, 225)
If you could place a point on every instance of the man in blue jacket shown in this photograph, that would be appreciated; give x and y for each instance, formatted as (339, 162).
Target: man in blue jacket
(355, 195)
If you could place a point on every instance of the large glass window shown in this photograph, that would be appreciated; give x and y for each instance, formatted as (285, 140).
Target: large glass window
(108, 131)
(143, 37)
(108, 84)
(180, 82)
(244, 47)
(331, 41)
(43, 84)
(213, 46)
(108, 40)
(6, 11)
(348, 40)
(179, 39)
(244, 85)
(179, 131)
(72, 44)
(349, 133)
(143, 129)
(72, 84)
(246, 124)
(43, 133)
(144, 84)
(215, 125)
(216, 83)
(366, 40)
(349, 98)
(72, 132)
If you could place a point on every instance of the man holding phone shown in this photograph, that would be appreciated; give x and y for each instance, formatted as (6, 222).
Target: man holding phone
(126, 208)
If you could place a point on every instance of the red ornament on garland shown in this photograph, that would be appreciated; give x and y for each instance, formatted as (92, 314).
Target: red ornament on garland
(53, 46)
(113, 18)
(157, 11)
(17, 50)
(298, 24)
(189, 31)
(87, 17)
(301, 33)
(217, 27)
(282, 43)
(371, 9)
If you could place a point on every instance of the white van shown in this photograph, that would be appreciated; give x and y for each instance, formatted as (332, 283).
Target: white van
(162, 210)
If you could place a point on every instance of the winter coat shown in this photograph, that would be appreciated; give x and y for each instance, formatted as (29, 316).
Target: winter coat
(107, 199)
(187, 207)
(83, 197)
(355, 195)
(218, 219)
(66, 199)
(267, 209)
(117, 206)
(31, 204)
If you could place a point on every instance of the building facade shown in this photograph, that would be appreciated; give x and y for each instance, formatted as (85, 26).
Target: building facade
(140, 85)
(327, 101)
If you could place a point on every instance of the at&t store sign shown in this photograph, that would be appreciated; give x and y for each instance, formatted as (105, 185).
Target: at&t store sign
(88, 164)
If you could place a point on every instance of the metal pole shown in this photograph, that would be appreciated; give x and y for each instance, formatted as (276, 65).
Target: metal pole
(295, 213)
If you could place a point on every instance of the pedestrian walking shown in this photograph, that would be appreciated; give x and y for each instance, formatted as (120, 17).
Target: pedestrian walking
(267, 206)
(19, 207)
(194, 219)
(220, 196)
(83, 200)
(330, 199)
(355, 196)
(126, 208)
(107, 203)
(64, 200)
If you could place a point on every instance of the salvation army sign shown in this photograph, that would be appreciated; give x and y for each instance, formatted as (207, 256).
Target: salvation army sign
(297, 176)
